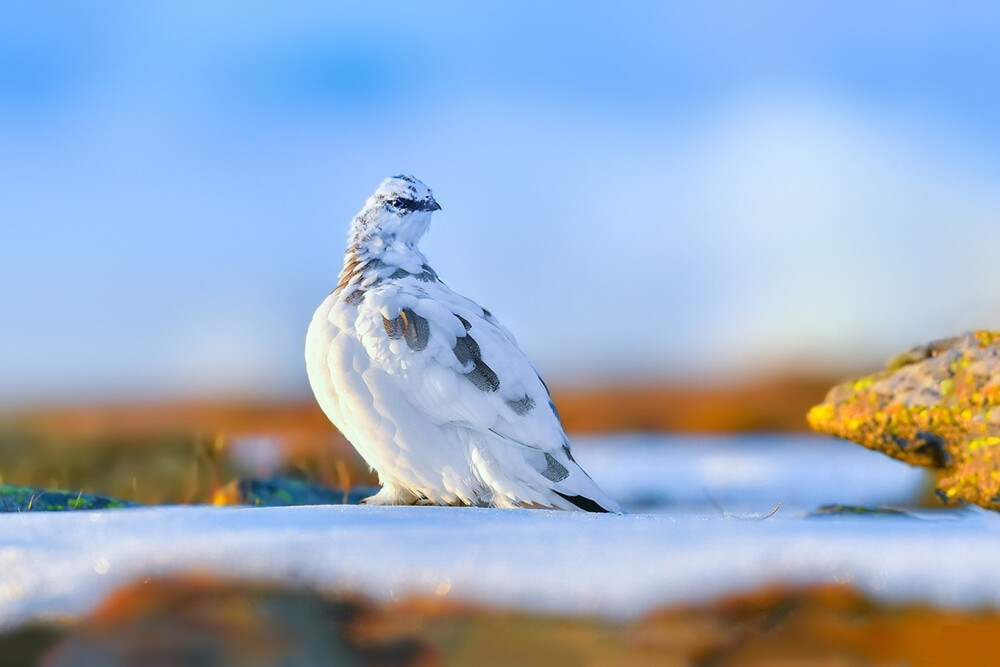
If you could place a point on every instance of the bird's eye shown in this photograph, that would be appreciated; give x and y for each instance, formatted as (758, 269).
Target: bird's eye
(395, 203)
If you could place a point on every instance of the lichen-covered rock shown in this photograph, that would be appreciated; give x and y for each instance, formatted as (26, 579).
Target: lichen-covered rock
(975, 477)
(937, 406)
(33, 499)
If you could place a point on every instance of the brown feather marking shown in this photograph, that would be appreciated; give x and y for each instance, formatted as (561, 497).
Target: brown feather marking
(416, 329)
(521, 406)
(467, 349)
(393, 328)
(554, 470)
(355, 297)
(483, 377)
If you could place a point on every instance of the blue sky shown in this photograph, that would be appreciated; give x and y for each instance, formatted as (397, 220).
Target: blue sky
(638, 190)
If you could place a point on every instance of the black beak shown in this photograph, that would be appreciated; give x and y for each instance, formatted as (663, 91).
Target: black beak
(410, 205)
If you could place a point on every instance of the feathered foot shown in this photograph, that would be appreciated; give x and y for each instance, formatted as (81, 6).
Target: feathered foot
(392, 495)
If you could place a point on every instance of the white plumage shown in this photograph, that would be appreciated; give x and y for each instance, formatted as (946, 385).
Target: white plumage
(430, 389)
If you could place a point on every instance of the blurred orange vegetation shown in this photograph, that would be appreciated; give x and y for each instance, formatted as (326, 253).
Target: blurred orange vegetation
(774, 404)
(299, 426)
(192, 451)
(174, 621)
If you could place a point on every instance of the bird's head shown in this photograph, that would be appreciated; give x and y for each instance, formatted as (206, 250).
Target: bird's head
(399, 210)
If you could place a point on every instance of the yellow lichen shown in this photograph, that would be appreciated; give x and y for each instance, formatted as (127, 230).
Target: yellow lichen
(820, 415)
(863, 383)
(987, 338)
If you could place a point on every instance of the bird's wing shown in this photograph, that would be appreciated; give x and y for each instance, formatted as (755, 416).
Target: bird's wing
(452, 362)
(456, 364)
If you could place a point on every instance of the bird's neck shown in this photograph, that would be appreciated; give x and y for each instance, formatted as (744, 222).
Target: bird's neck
(372, 258)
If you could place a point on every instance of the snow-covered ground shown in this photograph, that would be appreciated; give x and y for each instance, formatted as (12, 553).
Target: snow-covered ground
(743, 473)
(704, 534)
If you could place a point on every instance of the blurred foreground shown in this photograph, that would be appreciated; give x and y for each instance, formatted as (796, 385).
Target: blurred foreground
(198, 620)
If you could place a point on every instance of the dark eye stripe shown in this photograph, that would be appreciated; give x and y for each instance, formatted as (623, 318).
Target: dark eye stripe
(410, 205)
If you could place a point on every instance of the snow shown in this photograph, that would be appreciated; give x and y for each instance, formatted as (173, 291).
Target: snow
(743, 472)
(59, 564)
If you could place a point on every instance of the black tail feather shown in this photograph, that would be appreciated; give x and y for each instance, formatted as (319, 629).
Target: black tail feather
(586, 504)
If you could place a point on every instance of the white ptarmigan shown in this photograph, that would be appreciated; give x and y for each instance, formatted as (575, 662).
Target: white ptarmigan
(430, 389)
